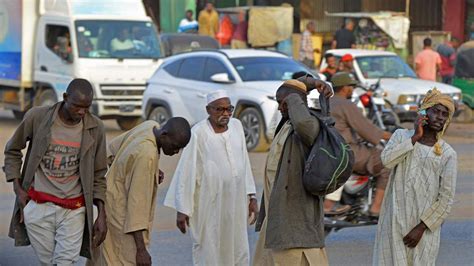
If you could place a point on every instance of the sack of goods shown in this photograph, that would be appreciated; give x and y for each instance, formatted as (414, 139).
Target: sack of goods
(329, 163)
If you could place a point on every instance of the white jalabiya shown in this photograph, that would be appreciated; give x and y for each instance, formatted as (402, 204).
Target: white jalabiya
(421, 188)
(210, 185)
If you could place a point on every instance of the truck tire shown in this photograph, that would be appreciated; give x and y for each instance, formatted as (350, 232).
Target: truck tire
(45, 98)
(159, 114)
(127, 123)
(254, 129)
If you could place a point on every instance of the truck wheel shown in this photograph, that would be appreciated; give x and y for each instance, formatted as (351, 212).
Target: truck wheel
(254, 129)
(159, 114)
(127, 123)
(45, 98)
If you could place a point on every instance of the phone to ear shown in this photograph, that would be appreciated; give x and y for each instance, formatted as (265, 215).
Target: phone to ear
(423, 113)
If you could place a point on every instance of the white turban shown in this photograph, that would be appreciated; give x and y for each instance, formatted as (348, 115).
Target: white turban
(216, 95)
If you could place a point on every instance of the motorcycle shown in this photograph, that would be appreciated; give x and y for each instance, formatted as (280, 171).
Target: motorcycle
(372, 102)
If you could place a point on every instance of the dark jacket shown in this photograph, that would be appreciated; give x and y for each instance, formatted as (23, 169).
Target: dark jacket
(36, 129)
(295, 217)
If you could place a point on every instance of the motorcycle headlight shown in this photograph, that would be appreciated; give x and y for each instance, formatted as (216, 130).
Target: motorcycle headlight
(404, 99)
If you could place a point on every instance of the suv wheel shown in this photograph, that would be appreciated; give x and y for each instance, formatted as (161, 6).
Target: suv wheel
(252, 122)
(159, 114)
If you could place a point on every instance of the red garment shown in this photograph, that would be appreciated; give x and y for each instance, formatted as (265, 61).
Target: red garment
(240, 32)
(41, 197)
(226, 30)
(447, 65)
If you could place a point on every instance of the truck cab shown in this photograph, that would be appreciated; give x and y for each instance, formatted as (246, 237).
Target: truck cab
(113, 44)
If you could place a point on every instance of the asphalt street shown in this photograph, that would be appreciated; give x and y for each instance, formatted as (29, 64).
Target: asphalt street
(346, 247)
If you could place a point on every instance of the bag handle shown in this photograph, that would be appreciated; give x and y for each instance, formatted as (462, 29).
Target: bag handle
(324, 104)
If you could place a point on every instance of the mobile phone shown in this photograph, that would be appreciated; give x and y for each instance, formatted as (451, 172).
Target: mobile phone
(423, 113)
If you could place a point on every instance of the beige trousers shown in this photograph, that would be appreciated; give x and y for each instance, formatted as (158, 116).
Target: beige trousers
(55, 233)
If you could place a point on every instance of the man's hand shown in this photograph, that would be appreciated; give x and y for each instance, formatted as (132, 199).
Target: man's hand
(419, 123)
(253, 211)
(412, 238)
(23, 197)
(161, 177)
(312, 83)
(99, 231)
(182, 220)
(143, 258)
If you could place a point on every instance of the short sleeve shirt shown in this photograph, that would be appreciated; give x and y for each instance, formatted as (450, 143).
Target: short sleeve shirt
(344, 38)
(426, 62)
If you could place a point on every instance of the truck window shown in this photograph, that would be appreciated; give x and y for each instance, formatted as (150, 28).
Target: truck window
(58, 40)
(214, 66)
(192, 68)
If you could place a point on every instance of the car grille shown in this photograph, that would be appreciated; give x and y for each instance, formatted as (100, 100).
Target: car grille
(134, 90)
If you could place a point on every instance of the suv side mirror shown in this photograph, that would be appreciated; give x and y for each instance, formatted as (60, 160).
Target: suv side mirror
(221, 78)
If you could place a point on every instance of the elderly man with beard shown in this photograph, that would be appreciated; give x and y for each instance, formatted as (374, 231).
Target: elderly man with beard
(420, 193)
(213, 190)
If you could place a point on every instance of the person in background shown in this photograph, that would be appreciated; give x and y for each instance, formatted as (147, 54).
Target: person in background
(132, 186)
(356, 130)
(213, 189)
(208, 21)
(345, 38)
(331, 68)
(122, 42)
(188, 24)
(421, 191)
(427, 62)
(447, 53)
(346, 64)
(306, 46)
(239, 38)
(59, 180)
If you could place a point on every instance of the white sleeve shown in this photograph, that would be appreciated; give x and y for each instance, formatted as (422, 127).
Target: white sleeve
(180, 194)
(396, 150)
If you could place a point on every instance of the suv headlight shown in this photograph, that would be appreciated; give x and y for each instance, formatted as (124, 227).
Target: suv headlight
(456, 97)
(404, 99)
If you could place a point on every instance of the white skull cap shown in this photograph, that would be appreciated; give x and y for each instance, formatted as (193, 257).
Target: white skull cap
(216, 95)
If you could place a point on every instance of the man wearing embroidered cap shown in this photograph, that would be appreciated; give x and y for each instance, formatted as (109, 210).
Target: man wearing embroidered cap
(421, 189)
(213, 189)
(291, 219)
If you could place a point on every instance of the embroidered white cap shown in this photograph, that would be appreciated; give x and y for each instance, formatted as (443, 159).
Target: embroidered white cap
(216, 95)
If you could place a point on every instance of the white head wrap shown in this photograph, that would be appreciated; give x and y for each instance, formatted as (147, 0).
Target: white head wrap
(216, 95)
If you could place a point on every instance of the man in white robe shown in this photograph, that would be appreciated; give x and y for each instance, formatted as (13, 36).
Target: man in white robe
(213, 190)
(421, 188)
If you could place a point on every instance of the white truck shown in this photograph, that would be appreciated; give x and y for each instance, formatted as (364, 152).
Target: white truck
(44, 44)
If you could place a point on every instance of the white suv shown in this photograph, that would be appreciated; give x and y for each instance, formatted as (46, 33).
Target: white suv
(251, 78)
(404, 91)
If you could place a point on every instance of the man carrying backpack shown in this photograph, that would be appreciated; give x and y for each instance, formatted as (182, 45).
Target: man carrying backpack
(291, 219)
(357, 130)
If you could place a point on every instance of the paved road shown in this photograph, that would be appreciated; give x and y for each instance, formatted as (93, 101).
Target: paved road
(346, 247)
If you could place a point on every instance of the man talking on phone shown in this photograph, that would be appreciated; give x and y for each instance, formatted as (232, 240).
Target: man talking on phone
(357, 130)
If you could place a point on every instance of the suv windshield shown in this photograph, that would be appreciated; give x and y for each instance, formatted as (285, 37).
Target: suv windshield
(266, 68)
(117, 39)
(374, 67)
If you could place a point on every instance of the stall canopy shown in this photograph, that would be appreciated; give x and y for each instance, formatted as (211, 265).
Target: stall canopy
(394, 24)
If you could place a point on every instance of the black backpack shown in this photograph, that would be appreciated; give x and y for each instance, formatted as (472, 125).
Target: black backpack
(330, 161)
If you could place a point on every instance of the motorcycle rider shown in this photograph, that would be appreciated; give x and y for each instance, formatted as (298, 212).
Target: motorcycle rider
(357, 130)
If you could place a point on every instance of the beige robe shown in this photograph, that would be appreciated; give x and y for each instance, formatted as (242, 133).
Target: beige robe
(295, 256)
(132, 183)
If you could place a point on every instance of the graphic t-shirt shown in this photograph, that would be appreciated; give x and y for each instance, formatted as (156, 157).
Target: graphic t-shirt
(58, 172)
